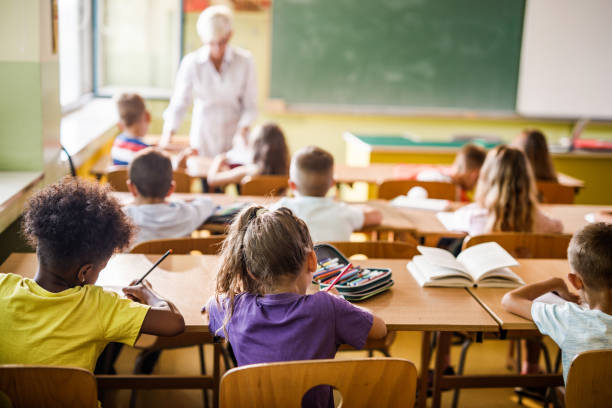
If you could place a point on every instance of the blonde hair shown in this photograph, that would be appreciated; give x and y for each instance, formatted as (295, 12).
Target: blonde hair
(533, 143)
(214, 23)
(261, 248)
(506, 188)
(312, 170)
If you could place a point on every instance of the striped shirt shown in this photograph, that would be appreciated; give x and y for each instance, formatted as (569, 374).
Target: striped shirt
(125, 148)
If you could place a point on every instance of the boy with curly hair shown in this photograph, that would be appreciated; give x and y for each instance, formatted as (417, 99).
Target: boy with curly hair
(60, 317)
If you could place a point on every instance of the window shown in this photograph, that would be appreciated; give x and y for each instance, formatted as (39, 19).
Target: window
(75, 56)
(138, 46)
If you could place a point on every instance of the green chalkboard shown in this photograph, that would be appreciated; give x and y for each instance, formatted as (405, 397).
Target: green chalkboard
(438, 54)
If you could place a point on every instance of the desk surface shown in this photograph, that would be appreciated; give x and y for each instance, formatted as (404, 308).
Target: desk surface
(531, 270)
(188, 281)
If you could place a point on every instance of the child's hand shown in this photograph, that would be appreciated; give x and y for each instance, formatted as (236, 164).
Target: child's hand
(141, 293)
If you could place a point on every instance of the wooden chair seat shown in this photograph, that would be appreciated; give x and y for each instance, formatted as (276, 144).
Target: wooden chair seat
(117, 177)
(555, 193)
(206, 245)
(589, 379)
(389, 189)
(380, 382)
(264, 185)
(525, 244)
(45, 386)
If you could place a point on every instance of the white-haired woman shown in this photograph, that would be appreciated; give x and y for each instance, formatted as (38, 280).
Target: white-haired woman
(220, 80)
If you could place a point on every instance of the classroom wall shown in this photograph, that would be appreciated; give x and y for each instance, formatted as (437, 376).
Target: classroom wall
(252, 31)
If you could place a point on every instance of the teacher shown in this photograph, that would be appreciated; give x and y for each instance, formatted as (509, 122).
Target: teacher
(220, 80)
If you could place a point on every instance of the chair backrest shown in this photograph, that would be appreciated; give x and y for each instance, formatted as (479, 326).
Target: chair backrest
(589, 379)
(264, 185)
(377, 249)
(525, 244)
(118, 175)
(389, 189)
(370, 382)
(555, 193)
(45, 386)
(206, 245)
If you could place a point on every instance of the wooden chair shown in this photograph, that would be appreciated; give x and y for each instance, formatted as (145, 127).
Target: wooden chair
(118, 175)
(389, 189)
(45, 386)
(555, 193)
(377, 249)
(264, 185)
(206, 245)
(525, 244)
(380, 382)
(589, 379)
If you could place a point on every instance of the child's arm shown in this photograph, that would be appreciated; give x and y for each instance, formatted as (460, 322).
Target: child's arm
(163, 318)
(371, 215)
(220, 175)
(519, 300)
(181, 158)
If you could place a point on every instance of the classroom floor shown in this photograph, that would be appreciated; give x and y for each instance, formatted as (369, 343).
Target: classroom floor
(485, 358)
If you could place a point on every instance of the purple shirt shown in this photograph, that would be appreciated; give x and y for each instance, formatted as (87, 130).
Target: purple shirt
(289, 326)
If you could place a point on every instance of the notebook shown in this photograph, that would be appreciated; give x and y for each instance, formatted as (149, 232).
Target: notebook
(484, 265)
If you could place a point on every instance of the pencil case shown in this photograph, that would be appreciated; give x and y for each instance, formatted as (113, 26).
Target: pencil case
(357, 284)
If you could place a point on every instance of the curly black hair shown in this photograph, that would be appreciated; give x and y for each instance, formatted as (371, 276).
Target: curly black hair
(74, 222)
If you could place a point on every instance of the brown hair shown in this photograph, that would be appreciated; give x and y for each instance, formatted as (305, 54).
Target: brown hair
(270, 151)
(131, 108)
(507, 190)
(262, 247)
(151, 172)
(590, 255)
(470, 157)
(312, 171)
(75, 222)
(533, 143)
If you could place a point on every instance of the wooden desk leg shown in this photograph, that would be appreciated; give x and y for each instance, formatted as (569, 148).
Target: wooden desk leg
(216, 373)
(439, 371)
(425, 358)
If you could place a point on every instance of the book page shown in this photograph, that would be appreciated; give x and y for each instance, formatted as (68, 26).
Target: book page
(483, 258)
(441, 257)
(434, 271)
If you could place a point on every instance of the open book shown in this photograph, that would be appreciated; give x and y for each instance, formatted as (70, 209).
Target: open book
(484, 265)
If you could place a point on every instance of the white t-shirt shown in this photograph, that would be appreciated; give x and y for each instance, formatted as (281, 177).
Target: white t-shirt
(328, 220)
(574, 329)
(174, 219)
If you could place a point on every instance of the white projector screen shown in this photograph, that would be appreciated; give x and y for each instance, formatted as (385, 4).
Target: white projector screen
(566, 59)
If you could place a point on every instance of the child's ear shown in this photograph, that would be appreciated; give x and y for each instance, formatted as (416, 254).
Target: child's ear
(121, 126)
(147, 116)
(312, 261)
(171, 189)
(132, 188)
(575, 280)
(83, 273)
(292, 185)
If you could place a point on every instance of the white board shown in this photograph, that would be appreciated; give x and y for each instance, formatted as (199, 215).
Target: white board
(566, 59)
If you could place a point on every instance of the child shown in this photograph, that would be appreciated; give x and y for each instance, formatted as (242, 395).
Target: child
(262, 308)
(134, 122)
(150, 182)
(533, 143)
(60, 317)
(463, 173)
(505, 198)
(310, 178)
(575, 329)
(268, 155)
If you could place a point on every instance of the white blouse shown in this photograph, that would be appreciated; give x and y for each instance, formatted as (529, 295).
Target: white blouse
(223, 102)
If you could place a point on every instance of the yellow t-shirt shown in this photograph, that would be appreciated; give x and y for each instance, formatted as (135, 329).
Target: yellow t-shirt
(69, 328)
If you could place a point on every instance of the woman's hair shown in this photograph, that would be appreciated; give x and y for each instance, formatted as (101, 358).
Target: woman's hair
(533, 143)
(214, 23)
(507, 190)
(75, 222)
(270, 151)
(262, 248)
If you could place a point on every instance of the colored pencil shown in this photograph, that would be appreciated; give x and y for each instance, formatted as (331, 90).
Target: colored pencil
(331, 285)
(168, 252)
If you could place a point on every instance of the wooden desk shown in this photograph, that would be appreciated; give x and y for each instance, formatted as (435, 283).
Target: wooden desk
(197, 166)
(572, 215)
(531, 270)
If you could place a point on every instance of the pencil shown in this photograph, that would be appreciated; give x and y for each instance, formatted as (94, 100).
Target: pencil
(331, 285)
(168, 252)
